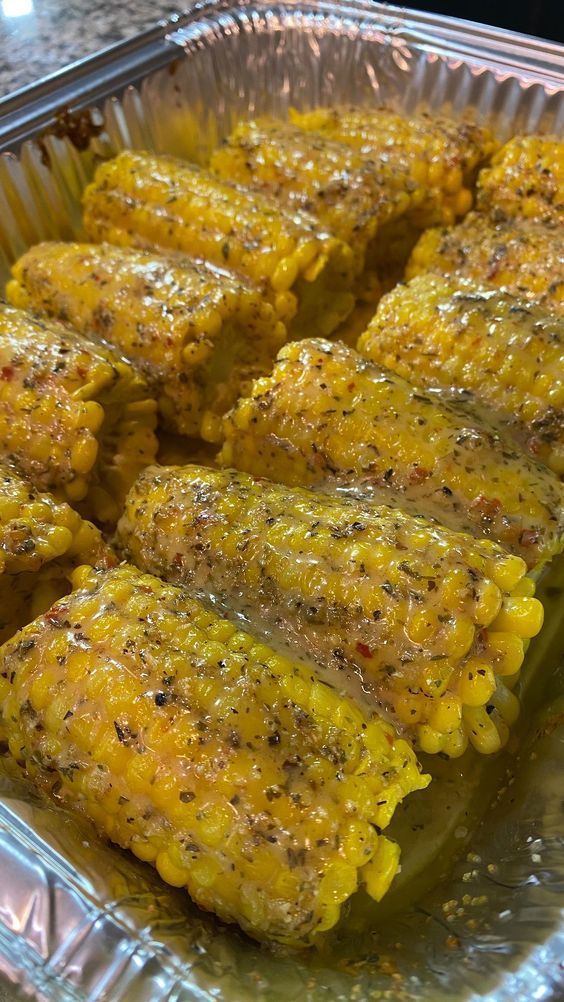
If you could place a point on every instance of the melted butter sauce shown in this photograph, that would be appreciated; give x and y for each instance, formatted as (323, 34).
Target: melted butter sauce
(286, 641)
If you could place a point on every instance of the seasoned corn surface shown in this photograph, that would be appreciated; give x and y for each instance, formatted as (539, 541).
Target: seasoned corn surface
(237, 773)
(507, 352)
(41, 541)
(438, 154)
(328, 416)
(433, 620)
(345, 189)
(522, 257)
(151, 201)
(76, 417)
(197, 333)
(525, 180)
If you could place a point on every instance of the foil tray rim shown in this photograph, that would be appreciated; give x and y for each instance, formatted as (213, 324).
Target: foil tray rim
(31, 109)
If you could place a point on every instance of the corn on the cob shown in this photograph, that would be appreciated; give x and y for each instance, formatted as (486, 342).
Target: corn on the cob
(415, 608)
(76, 417)
(525, 180)
(328, 416)
(197, 334)
(238, 773)
(345, 189)
(152, 201)
(436, 153)
(41, 541)
(522, 257)
(509, 353)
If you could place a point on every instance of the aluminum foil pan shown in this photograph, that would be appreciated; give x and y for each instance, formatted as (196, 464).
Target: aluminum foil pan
(478, 910)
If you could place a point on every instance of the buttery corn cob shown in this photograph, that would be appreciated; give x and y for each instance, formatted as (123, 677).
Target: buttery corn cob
(434, 620)
(509, 353)
(76, 417)
(196, 333)
(437, 153)
(41, 541)
(346, 190)
(152, 201)
(239, 774)
(525, 180)
(523, 257)
(327, 416)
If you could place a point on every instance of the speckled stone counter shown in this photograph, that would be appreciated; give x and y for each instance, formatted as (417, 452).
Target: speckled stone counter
(38, 37)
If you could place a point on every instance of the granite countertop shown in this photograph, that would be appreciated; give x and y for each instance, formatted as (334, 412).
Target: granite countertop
(38, 37)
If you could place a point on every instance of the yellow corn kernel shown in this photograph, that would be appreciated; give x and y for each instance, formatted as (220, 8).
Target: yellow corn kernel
(447, 717)
(506, 704)
(378, 874)
(175, 875)
(456, 743)
(477, 683)
(144, 850)
(338, 883)
(522, 616)
(482, 731)
(430, 740)
(508, 652)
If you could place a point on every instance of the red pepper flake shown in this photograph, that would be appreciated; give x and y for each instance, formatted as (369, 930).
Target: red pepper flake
(81, 372)
(350, 387)
(106, 560)
(529, 537)
(7, 373)
(364, 649)
(54, 615)
(389, 738)
(418, 474)
(487, 507)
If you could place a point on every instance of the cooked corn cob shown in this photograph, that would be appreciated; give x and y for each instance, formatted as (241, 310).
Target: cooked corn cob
(147, 200)
(522, 257)
(74, 416)
(348, 192)
(196, 333)
(437, 153)
(525, 180)
(328, 416)
(509, 353)
(415, 608)
(239, 774)
(41, 540)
